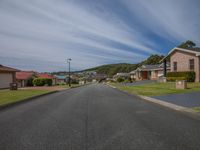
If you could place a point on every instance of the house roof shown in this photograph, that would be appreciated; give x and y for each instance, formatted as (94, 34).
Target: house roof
(45, 75)
(7, 69)
(150, 67)
(60, 77)
(195, 51)
(23, 75)
(122, 74)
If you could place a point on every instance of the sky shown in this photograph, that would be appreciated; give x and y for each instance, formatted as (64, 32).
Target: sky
(40, 35)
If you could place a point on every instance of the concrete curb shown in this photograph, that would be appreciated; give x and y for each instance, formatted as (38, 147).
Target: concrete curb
(170, 105)
(25, 100)
(185, 110)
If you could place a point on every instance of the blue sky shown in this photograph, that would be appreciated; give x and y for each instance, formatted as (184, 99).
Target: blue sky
(41, 34)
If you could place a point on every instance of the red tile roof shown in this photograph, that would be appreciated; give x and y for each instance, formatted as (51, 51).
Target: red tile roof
(7, 69)
(23, 75)
(45, 75)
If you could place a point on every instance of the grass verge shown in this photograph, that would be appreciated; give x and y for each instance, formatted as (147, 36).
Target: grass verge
(197, 109)
(156, 89)
(7, 96)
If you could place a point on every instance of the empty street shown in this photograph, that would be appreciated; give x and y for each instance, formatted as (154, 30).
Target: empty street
(96, 117)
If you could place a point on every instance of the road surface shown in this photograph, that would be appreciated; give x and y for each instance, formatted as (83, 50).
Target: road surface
(96, 117)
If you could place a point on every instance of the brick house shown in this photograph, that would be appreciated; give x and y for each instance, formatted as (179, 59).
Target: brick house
(61, 79)
(24, 77)
(7, 76)
(148, 72)
(185, 60)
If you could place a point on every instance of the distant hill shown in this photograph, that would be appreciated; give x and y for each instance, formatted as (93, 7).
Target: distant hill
(112, 69)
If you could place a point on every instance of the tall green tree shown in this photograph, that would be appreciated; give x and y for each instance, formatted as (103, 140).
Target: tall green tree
(152, 60)
(187, 44)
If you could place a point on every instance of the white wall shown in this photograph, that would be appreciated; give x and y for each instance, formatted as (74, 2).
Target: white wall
(5, 80)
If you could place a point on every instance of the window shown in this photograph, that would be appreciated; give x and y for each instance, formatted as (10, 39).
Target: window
(175, 66)
(191, 64)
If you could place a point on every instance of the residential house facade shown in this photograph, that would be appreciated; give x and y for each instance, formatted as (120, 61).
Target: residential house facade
(24, 78)
(148, 72)
(121, 75)
(61, 79)
(185, 60)
(7, 76)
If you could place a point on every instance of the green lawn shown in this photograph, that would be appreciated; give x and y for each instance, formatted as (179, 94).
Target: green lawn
(155, 89)
(197, 109)
(7, 96)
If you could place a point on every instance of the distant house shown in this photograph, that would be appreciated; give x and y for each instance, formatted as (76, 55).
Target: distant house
(48, 76)
(61, 79)
(122, 75)
(185, 60)
(7, 76)
(148, 72)
(24, 78)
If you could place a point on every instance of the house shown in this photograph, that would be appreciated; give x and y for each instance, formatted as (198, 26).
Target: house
(185, 60)
(60, 79)
(24, 78)
(149, 72)
(48, 76)
(7, 76)
(121, 75)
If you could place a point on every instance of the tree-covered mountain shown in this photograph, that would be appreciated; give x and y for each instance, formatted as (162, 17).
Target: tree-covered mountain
(112, 69)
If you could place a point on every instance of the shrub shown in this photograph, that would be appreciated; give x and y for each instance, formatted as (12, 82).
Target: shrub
(48, 82)
(42, 82)
(120, 79)
(189, 76)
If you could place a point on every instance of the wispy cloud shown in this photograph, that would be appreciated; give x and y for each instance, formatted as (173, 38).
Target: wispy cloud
(40, 35)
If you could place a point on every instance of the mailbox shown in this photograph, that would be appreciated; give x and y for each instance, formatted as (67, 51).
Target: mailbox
(181, 84)
(13, 86)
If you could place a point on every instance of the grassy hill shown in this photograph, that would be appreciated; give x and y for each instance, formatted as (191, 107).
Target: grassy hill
(112, 69)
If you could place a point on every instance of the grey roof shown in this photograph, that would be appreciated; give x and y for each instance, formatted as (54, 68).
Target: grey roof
(151, 66)
(196, 49)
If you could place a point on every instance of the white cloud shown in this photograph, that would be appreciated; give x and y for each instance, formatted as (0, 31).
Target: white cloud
(50, 31)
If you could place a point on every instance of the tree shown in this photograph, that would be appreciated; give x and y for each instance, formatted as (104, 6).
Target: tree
(187, 44)
(152, 60)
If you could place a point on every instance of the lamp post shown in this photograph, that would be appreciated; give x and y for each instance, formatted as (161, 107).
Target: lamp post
(68, 61)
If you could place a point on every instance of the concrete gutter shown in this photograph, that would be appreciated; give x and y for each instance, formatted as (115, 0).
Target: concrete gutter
(190, 112)
(25, 100)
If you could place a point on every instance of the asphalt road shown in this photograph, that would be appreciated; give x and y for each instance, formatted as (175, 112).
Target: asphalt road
(96, 117)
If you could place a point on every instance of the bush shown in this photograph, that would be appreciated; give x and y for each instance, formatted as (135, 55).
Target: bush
(42, 82)
(120, 79)
(189, 76)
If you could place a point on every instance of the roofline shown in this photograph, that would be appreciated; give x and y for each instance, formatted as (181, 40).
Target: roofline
(181, 49)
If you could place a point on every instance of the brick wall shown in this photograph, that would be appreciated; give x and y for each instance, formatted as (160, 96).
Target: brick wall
(182, 59)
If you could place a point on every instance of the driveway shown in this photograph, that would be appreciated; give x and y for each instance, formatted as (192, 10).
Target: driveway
(96, 117)
(186, 99)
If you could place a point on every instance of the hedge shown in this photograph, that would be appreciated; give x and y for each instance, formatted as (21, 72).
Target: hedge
(189, 76)
(120, 79)
(42, 82)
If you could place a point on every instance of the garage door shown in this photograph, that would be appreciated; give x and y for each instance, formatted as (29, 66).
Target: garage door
(5, 80)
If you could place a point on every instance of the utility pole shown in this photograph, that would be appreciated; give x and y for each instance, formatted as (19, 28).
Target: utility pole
(69, 81)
